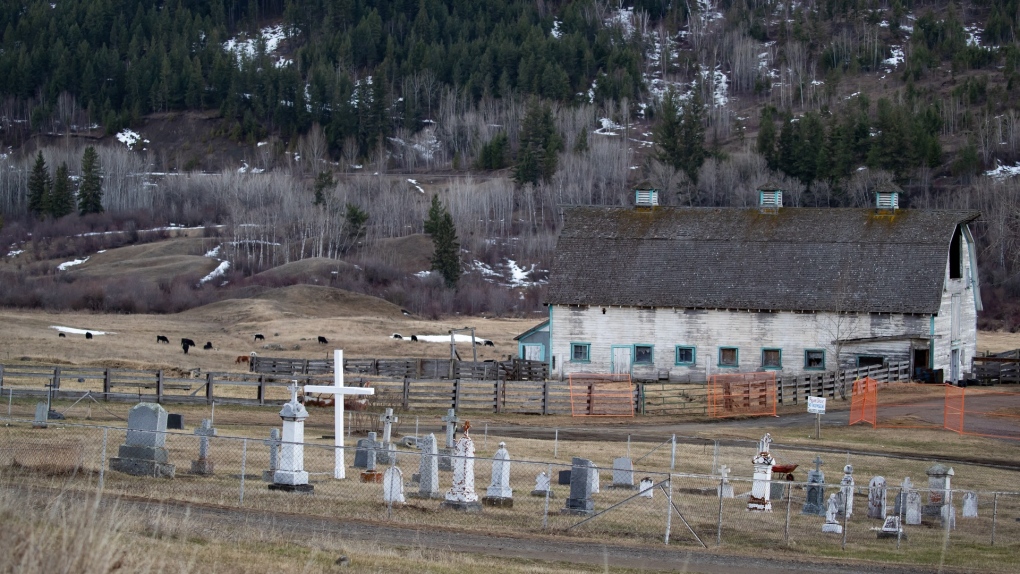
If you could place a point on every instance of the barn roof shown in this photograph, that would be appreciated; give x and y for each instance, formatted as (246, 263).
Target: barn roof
(795, 259)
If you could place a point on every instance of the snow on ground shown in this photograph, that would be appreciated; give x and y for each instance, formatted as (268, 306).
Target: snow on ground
(708, 10)
(423, 274)
(130, 138)
(218, 272)
(624, 18)
(15, 252)
(415, 184)
(720, 83)
(508, 273)
(897, 56)
(609, 127)
(245, 169)
(1004, 171)
(973, 35)
(75, 331)
(67, 264)
(246, 48)
(556, 33)
(214, 252)
(446, 339)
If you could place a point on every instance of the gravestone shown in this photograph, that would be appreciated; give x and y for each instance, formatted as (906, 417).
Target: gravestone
(388, 451)
(580, 501)
(499, 492)
(203, 465)
(877, 503)
(891, 528)
(451, 421)
(371, 474)
(725, 489)
(912, 513)
(290, 475)
(939, 492)
(596, 480)
(970, 504)
(362, 449)
(143, 452)
(563, 477)
(428, 468)
(645, 487)
(273, 442)
(393, 486)
(542, 487)
(846, 491)
(758, 500)
(814, 502)
(175, 421)
(832, 524)
(41, 415)
(900, 499)
(623, 473)
(461, 495)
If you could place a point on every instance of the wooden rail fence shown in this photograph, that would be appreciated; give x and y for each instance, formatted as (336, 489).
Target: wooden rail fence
(543, 397)
(997, 368)
(513, 369)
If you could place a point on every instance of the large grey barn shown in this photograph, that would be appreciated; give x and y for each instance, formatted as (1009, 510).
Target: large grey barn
(681, 293)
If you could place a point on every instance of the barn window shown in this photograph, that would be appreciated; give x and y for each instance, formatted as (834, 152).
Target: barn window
(772, 358)
(814, 359)
(728, 357)
(870, 360)
(956, 256)
(643, 354)
(580, 352)
(684, 355)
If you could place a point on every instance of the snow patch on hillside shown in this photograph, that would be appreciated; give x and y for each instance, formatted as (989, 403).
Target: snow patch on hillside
(75, 331)
(130, 138)
(68, 264)
(246, 48)
(220, 270)
(1004, 171)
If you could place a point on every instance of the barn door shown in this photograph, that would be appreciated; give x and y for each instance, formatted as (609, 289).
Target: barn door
(534, 352)
(621, 360)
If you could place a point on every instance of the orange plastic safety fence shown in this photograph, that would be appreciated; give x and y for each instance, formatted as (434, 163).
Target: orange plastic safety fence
(596, 395)
(864, 402)
(954, 410)
(742, 394)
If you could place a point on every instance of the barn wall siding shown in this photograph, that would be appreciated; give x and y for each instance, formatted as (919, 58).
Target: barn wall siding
(967, 342)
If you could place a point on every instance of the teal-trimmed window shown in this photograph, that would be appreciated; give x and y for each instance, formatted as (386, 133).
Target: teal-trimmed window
(772, 358)
(814, 359)
(684, 355)
(580, 352)
(729, 357)
(643, 355)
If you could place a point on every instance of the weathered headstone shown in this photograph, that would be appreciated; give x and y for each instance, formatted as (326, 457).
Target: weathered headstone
(175, 421)
(41, 416)
(623, 473)
(273, 442)
(758, 500)
(901, 497)
(912, 513)
(393, 486)
(371, 474)
(203, 465)
(362, 449)
(877, 503)
(461, 495)
(388, 451)
(542, 485)
(428, 468)
(831, 510)
(645, 487)
(725, 489)
(143, 452)
(970, 504)
(451, 421)
(580, 501)
(596, 480)
(563, 477)
(814, 502)
(939, 492)
(499, 492)
(846, 491)
(290, 476)
(891, 528)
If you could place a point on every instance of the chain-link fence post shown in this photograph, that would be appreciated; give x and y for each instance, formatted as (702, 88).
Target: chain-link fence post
(390, 485)
(995, 512)
(846, 516)
(899, 516)
(102, 461)
(672, 456)
(244, 461)
(718, 526)
(789, 501)
(545, 515)
(556, 443)
(669, 506)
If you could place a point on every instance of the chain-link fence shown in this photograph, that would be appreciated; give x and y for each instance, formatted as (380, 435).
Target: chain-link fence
(681, 493)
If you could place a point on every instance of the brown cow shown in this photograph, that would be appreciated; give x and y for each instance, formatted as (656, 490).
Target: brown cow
(242, 359)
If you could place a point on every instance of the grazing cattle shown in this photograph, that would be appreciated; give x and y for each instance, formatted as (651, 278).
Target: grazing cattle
(322, 340)
(260, 337)
(208, 345)
(242, 359)
(489, 343)
(186, 343)
(61, 335)
(414, 338)
(397, 336)
(88, 335)
(162, 339)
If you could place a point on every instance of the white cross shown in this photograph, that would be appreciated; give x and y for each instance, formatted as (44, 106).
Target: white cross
(339, 392)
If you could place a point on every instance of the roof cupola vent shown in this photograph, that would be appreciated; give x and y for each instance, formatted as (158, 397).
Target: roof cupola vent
(770, 198)
(646, 197)
(887, 197)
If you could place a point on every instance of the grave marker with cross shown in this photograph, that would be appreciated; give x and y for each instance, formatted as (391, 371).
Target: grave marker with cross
(451, 421)
(387, 420)
(340, 392)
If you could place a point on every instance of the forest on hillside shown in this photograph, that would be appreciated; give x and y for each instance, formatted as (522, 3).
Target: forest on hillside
(516, 109)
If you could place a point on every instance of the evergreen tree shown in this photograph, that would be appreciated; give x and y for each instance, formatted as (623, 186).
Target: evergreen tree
(767, 138)
(90, 192)
(39, 187)
(61, 194)
(539, 145)
(680, 134)
(446, 258)
(323, 182)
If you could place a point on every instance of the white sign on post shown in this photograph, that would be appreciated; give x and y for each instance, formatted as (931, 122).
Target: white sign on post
(816, 405)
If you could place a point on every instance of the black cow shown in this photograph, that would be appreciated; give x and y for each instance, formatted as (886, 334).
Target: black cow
(186, 343)
(397, 336)
(260, 337)
(61, 335)
(322, 340)
(208, 345)
(162, 339)
(88, 335)
(489, 343)
(414, 338)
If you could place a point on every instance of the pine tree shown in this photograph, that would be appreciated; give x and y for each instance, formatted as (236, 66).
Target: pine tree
(39, 187)
(323, 182)
(680, 134)
(90, 192)
(540, 145)
(61, 194)
(446, 258)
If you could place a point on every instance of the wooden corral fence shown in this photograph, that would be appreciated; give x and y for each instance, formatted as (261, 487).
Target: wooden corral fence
(513, 369)
(997, 368)
(406, 393)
